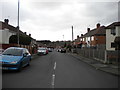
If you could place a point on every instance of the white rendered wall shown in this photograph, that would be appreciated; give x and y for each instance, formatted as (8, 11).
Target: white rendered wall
(5, 35)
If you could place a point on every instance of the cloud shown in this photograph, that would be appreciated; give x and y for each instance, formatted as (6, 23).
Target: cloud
(51, 19)
(80, 15)
(46, 5)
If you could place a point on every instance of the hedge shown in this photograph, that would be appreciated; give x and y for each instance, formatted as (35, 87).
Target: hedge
(23, 40)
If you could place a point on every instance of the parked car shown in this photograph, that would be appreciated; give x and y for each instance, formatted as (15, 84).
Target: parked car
(42, 51)
(15, 58)
(59, 50)
(50, 49)
(63, 50)
(1, 50)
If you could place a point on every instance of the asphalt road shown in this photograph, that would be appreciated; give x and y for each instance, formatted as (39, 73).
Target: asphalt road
(58, 70)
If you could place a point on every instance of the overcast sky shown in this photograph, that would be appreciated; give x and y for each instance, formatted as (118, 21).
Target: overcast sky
(52, 19)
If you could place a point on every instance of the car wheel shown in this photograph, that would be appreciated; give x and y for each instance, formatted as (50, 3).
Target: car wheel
(30, 59)
(20, 67)
(29, 62)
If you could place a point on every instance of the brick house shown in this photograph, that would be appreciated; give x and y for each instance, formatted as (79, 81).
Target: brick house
(94, 38)
(7, 30)
(104, 40)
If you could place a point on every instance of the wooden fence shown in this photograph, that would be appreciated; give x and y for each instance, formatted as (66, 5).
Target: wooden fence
(99, 54)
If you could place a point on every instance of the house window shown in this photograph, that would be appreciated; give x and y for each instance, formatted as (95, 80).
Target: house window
(92, 38)
(113, 45)
(88, 38)
(113, 31)
(83, 39)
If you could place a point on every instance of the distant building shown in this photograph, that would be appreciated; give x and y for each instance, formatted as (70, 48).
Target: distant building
(43, 43)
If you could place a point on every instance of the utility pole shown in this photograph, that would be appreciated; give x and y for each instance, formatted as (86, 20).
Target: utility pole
(63, 37)
(72, 33)
(18, 23)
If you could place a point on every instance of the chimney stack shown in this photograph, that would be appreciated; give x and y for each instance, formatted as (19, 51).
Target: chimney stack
(81, 34)
(29, 35)
(77, 36)
(98, 25)
(88, 29)
(6, 21)
(25, 33)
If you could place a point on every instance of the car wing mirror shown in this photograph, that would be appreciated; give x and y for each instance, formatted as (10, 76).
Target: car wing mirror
(25, 54)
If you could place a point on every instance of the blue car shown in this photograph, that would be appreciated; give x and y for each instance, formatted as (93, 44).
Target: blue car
(15, 58)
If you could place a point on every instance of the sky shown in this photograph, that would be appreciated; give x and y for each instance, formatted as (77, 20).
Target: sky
(53, 19)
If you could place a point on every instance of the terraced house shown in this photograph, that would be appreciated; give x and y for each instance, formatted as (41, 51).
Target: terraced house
(94, 38)
(8, 37)
(101, 43)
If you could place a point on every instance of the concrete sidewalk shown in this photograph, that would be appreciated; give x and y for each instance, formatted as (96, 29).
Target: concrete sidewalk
(109, 68)
(34, 56)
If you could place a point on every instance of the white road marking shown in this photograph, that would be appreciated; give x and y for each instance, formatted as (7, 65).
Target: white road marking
(54, 65)
(53, 76)
(53, 79)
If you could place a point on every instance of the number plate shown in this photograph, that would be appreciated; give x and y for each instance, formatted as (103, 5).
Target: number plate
(4, 68)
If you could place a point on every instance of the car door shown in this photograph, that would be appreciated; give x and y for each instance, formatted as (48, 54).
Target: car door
(29, 55)
(25, 57)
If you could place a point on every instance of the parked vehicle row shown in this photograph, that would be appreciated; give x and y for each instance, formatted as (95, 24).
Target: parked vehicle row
(15, 58)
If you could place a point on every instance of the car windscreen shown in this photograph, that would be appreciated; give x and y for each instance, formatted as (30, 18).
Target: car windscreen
(13, 52)
(42, 49)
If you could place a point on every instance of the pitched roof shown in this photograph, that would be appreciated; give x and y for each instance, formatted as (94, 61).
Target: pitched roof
(101, 31)
(96, 32)
(90, 33)
(3, 25)
(113, 25)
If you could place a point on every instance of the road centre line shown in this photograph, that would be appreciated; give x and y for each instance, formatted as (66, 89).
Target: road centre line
(53, 76)
(54, 65)
(53, 79)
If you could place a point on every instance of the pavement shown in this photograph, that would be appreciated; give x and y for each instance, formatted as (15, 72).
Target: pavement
(109, 68)
(34, 56)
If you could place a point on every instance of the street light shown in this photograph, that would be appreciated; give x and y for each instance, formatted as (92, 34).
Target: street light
(72, 33)
(18, 22)
(63, 37)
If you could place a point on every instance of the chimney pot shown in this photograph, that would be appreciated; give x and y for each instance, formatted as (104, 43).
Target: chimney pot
(81, 34)
(88, 29)
(77, 36)
(6, 21)
(98, 25)
(29, 35)
(25, 33)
